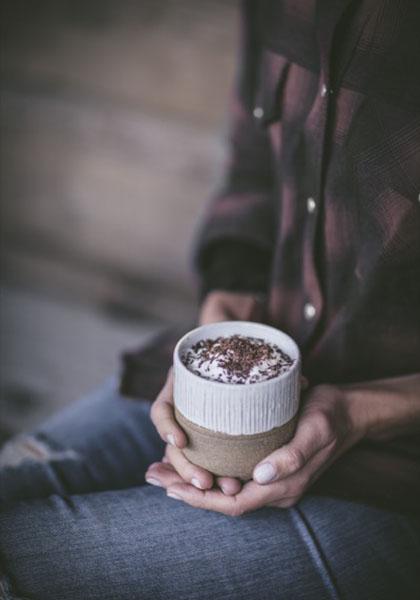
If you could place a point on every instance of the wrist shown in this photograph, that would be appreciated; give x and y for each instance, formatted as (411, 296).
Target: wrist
(359, 415)
(354, 412)
(384, 409)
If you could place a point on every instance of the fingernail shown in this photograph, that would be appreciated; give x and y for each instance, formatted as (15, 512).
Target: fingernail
(264, 473)
(171, 439)
(196, 483)
(174, 496)
(153, 481)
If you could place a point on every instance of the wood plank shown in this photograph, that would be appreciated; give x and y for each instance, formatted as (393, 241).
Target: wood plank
(125, 189)
(111, 119)
(174, 57)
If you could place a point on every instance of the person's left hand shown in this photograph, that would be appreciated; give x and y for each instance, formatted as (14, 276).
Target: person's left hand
(328, 426)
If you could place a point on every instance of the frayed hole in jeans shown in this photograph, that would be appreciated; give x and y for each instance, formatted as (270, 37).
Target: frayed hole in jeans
(28, 448)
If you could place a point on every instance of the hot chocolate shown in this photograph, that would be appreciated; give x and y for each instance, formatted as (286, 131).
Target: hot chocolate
(236, 359)
(230, 427)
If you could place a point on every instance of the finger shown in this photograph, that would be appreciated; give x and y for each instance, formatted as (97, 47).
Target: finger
(199, 477)
(280, 494)
(229, 485)
(213, 313)
(212, 499)
(162, 475)
(251, 497)
(304, 383)
(312, 435)
(162, 416)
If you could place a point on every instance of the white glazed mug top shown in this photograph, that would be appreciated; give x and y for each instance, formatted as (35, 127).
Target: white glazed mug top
(237, 409)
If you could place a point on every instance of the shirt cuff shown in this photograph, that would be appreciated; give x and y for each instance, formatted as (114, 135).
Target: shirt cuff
(234, 266)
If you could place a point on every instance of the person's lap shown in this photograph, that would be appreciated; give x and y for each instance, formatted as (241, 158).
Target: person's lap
(79, 522)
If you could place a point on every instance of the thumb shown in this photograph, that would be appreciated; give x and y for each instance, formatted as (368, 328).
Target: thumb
(213, 314)
(291, 457)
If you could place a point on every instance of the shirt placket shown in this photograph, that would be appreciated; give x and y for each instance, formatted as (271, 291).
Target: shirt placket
(313, 303)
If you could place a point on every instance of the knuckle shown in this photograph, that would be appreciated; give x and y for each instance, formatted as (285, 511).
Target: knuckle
(237, 509)
(294, 459)
(333, 443)
(324, 425)
(154, 411)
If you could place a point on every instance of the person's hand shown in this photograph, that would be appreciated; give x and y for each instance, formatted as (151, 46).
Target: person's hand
(327, 427)
(162, 415)
(231, 306)
(218, 306)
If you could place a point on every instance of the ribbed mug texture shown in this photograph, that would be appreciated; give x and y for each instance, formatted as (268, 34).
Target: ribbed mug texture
(231, 427)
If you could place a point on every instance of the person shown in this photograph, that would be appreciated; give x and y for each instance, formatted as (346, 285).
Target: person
(315, 231)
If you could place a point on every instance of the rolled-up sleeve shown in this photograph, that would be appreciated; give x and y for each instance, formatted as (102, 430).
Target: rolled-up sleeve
(233, 246)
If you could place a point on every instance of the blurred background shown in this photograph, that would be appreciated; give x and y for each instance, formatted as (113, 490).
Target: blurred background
(112, 123)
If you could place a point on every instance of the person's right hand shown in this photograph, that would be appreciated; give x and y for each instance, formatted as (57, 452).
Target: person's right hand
(231, 306)
(175, 468)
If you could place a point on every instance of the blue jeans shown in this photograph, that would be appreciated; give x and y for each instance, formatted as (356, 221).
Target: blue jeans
(78, 522)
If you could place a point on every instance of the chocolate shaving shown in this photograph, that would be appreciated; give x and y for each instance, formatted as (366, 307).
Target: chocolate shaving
(237, 355)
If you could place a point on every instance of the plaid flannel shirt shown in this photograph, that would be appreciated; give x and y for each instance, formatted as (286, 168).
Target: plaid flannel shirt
(320, 208)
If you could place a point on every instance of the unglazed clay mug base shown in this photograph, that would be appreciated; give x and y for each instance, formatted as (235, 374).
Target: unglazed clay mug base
(232, 455)
(232, 427)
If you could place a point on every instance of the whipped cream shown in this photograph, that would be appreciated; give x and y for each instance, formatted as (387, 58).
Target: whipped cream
(236, 359)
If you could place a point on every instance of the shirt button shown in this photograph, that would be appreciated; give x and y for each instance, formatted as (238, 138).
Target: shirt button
(258, 112)
(324, 90)
(310, 205)
(309, 311)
